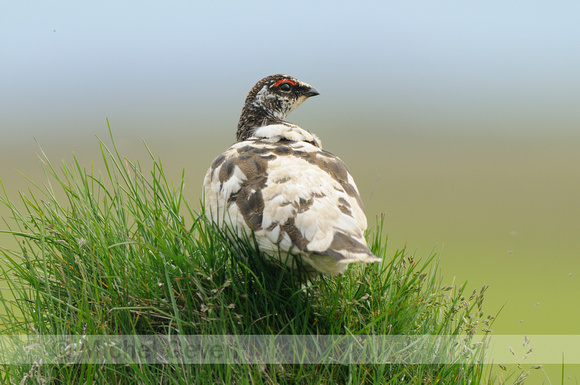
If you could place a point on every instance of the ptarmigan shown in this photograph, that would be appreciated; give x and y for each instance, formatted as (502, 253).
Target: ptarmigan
(278, 182)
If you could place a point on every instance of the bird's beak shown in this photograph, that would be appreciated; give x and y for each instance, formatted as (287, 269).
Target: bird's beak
(313, 92)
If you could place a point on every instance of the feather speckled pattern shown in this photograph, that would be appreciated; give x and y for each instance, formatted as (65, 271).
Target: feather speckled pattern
(278, 182)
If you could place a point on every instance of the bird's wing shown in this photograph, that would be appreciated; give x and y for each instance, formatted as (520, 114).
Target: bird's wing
(293, 195)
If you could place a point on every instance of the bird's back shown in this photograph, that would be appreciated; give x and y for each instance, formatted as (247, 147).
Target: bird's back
(295, 197)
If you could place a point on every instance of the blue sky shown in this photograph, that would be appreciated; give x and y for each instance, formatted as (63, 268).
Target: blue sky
(421, 65)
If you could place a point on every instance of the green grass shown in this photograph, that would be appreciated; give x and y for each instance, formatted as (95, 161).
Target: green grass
(123, 253)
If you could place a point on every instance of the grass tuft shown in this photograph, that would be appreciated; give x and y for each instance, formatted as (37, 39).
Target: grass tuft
(123, 253)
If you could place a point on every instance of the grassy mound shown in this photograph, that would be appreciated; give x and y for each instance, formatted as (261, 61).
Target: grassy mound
(124, 254)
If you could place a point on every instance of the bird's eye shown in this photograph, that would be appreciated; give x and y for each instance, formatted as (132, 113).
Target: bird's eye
(285, 84)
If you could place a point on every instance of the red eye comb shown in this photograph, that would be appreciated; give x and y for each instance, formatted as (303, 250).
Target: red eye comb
(284, 81)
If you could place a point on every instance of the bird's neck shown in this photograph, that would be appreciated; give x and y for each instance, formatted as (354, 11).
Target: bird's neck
(253, 117)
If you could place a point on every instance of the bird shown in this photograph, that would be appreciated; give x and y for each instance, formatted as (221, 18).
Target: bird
(277, 184)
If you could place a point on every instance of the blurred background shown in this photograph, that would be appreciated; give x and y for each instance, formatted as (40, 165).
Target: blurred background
(459, 121)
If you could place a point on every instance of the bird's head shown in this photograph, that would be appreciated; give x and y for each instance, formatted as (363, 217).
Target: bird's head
(279, 95)
(270, 101)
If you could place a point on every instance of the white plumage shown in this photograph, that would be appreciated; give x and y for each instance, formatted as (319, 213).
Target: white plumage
(279, 183)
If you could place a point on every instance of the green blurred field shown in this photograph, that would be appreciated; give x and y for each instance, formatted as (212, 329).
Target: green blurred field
(500, 209)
